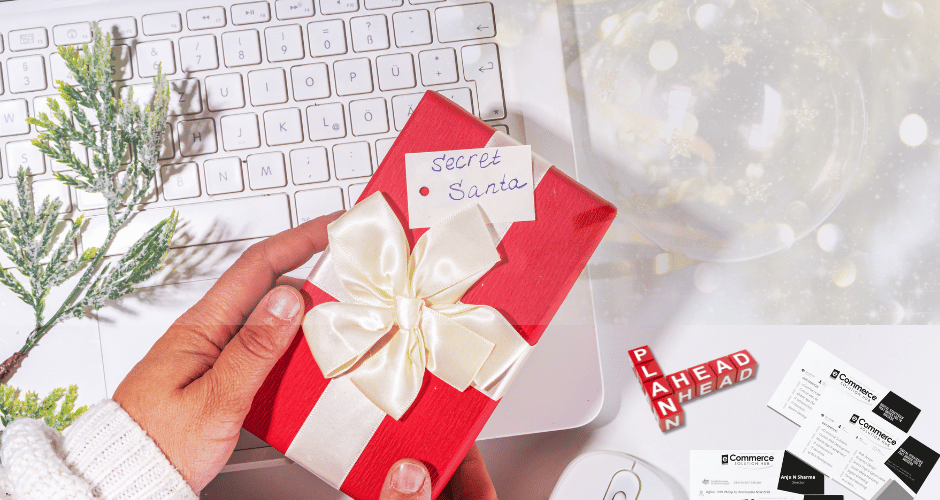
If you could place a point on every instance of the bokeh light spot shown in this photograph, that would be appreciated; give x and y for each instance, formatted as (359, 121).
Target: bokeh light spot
(913, 130)
(663, 55)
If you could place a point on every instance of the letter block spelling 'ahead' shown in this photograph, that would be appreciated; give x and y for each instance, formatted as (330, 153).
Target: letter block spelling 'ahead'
(704, 379)
(668, 412)
(682, 385)
(641, 355)
(745, 364)
(725, 371)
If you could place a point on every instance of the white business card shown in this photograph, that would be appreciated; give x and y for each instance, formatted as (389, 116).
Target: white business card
(442, 183)
(737, 474)
(814, 370)
(845, 440)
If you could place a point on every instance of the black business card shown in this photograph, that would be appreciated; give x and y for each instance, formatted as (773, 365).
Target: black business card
(796, 476)
(912, 463)
(823, 497)
(897, 411)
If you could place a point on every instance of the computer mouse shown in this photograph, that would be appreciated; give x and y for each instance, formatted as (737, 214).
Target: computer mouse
(610, 475)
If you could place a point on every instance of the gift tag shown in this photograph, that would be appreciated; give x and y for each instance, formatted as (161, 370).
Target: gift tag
(443, 183)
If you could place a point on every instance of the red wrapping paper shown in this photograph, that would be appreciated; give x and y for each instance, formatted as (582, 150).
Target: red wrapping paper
(541, 261)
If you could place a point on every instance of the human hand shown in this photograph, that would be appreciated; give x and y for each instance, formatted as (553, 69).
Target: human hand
(409, 480)
(191, 392)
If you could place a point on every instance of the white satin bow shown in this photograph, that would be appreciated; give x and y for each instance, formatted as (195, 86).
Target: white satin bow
(381, 285)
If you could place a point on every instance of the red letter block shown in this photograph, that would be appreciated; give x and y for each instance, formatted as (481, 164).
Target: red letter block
(682, 385)
(745, 364)
(641, 355)
(725, 371)
(704, 379)
(648, 371)
(657, 388)
(668, 412)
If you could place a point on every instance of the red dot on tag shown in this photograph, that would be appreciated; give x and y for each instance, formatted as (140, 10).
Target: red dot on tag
(424, 191)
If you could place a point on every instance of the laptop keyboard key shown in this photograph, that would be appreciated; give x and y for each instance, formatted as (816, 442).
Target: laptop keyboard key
(283, 126)
(162, 23)
(438, 66)
(309, 165)
(383, 4)
(460, 96)
(396, 72)
(266, 171)
(224, 175)
(27, 74)
(369, 33)
(206, 18)
(197, 137)
(293, 9)
(206, 222)
(403, 106)
(24, 154)
(481, 65)
(326, 122)
(121, 67)
(285, 43)
(412, 28)
(180, 181)
(317, 203)
(338, 6)
(250, 13)
(465, 22)
(327, 38)
(153, 55)
(225, 92)
(352, 160)
(353, 76)
(70, 34)
(32, 38)
(199, 53)
(311, 81)
(267, 86)
(13, 118)
(241, 48)
(240, 132)
(369, 116)
(119, 28)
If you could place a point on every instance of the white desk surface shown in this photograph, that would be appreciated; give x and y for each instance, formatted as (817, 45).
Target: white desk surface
(888, 246)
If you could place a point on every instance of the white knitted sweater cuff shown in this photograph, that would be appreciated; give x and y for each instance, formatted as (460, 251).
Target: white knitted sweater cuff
(104, 454)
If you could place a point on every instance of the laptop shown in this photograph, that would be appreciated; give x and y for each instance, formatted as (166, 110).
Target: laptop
(246, 154)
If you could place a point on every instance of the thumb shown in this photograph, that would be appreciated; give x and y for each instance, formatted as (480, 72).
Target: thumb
(407, 480)
(251, 354)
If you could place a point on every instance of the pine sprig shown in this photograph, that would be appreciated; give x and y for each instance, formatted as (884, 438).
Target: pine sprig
(57, 409)
(123, 160)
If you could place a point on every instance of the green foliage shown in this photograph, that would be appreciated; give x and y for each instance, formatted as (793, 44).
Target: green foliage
(56, 415)
(123, 153)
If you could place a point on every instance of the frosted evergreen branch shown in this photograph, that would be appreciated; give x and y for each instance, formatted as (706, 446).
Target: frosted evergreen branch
(57, 409)
(126, 132)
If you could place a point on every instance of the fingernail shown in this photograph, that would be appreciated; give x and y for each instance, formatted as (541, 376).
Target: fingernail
(407, 478)
(283, 304)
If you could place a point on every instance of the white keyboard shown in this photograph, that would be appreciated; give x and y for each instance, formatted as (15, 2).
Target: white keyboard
(280, 110)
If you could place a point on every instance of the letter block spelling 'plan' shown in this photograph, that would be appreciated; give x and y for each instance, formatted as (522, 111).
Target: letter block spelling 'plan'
(648, 371)
(641, 355)
(745, 364)
(682, 385)
(668, 412)
(657, 388)
(704, 379)
(725, 371)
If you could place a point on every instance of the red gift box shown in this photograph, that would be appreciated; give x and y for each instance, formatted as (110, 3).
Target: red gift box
(540, 262)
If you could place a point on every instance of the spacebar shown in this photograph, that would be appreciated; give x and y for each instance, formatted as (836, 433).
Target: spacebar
(200, 223)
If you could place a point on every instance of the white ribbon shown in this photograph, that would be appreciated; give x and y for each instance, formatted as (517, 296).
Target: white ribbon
(400, 311)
